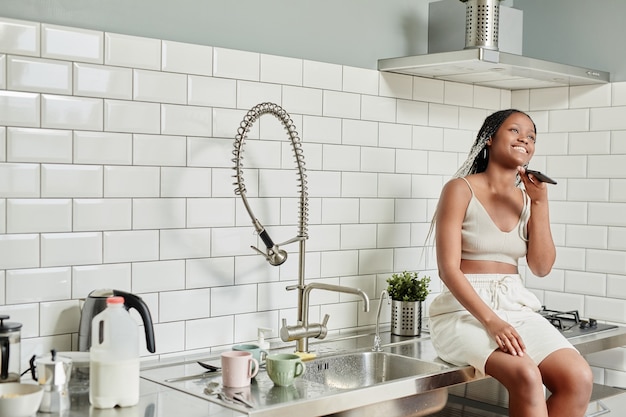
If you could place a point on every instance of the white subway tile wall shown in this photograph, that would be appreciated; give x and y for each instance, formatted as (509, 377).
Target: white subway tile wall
(115, 172)
(3, 71)
(40, 75)
(20, 109)
(20, 37)
(132, 51)
(39, 145)
(72, 44)
(102, 81)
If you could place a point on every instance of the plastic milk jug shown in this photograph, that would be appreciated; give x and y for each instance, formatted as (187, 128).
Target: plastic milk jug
(114, 357)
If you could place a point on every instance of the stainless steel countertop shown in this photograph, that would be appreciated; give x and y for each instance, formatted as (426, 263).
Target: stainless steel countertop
(163, 399)
(155, 401)
(320, 400)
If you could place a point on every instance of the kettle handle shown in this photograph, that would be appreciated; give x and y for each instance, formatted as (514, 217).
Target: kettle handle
(134, 301)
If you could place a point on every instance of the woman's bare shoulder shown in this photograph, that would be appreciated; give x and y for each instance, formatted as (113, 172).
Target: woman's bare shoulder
(455, 196)
(457, 187)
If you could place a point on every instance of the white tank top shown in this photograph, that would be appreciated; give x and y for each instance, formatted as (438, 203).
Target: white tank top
(482, 240)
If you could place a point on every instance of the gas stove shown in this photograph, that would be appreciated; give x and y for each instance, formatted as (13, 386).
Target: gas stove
(571, 325)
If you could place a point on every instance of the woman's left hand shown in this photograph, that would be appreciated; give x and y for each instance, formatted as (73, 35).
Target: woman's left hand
(541, 252)
(536, 190)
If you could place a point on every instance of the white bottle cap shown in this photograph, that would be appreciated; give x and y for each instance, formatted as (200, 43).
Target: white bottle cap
(262, 332)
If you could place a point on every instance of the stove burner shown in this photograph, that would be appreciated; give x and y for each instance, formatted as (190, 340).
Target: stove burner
(559, 319)
(570, 323)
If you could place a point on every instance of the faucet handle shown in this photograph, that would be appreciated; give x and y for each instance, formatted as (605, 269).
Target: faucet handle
(323, 330)
(274, 255)
(293, 239)
(260, 252)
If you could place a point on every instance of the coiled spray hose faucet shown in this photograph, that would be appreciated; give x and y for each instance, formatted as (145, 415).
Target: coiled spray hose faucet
(273, 253)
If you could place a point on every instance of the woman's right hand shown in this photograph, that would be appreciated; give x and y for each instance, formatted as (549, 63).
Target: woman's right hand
(507, 338)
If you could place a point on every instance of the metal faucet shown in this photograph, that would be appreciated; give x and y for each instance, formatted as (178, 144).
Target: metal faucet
(273, 253)
(383, 295)
(302, 331)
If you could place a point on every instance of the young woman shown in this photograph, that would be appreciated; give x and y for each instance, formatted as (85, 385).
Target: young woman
(489, 215)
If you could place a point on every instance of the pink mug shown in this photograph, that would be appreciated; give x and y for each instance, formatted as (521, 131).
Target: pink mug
(238, 367)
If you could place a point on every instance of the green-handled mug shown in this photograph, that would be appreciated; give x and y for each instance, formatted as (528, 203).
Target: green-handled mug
(283, 368)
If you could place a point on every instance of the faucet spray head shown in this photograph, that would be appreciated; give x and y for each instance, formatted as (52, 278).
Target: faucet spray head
(274, 255)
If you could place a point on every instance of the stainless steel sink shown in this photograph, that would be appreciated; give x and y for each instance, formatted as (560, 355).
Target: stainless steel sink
(362, 369)
(366, 369)
(405, 380)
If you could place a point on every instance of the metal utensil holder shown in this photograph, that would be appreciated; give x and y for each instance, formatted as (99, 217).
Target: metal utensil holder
(406, 318)
(482, 23)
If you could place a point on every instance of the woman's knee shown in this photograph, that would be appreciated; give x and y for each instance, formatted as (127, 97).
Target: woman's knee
(584, 374)
(580, 377)
(575, 377)
(522, 375)
(528, 375)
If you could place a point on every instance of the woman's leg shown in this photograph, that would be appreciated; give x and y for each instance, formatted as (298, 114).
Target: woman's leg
(568, 377)
(522, 379)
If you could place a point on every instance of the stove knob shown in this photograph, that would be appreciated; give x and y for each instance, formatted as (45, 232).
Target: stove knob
(590, 324)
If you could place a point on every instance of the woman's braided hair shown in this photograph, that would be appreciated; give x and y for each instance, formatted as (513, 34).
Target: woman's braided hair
(478, 156)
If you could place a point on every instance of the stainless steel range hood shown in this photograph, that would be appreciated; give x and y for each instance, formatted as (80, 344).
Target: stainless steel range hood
(491, 68)
(491, 54)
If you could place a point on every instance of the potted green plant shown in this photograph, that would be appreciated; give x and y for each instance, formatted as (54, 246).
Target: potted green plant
(407, 292)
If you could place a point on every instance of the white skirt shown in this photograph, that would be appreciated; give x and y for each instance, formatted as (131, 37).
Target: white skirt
(459, 338)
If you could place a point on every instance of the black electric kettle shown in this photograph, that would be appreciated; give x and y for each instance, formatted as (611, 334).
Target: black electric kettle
(96, 301)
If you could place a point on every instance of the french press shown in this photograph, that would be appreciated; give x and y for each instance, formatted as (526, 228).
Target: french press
(10, 346)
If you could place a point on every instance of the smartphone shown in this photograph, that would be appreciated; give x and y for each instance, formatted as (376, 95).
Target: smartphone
(541, 177)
